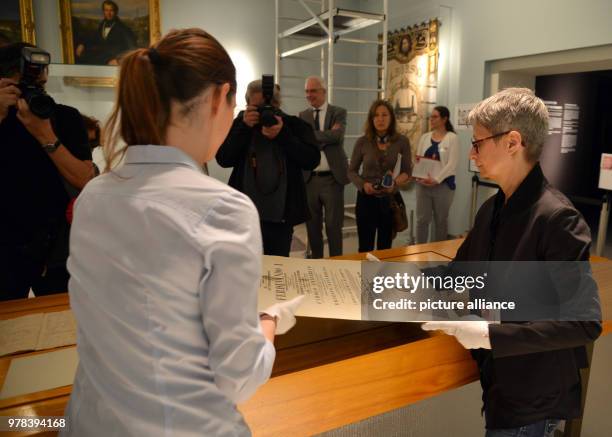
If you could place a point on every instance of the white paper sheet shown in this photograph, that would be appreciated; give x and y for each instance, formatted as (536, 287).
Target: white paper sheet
(426, 167)
(40, 372)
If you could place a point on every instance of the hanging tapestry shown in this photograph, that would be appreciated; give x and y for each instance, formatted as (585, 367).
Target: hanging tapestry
(412, 76)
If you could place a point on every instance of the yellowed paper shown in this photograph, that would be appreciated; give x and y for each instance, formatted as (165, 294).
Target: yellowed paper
(20, 334)
(58, 329)
(332, 288)
(37, 332)
(40, 372)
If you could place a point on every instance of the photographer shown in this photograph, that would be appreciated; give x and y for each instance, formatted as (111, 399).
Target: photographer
(45, 162)
(268, 161)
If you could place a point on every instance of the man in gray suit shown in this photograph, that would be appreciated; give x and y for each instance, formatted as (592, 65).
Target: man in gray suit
(325, 184)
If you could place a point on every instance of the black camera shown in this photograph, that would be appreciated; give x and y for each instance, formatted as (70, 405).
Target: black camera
(266, 110)
(33, 63)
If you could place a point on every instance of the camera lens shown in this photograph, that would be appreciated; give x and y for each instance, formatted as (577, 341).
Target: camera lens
(42, 105)
(267, 118)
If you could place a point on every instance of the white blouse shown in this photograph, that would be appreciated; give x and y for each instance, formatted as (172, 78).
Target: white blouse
(449, 153)
(165, 264)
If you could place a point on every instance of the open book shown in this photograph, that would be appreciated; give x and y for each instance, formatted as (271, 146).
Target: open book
(37, 332)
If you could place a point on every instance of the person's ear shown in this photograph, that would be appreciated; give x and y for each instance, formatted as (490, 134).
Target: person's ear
(515, 140)
(219, 96)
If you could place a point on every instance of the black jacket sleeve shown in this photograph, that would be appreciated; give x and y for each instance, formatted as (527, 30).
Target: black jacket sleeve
(70, 129)
(299, 142)
(567, 239)
(235, 146)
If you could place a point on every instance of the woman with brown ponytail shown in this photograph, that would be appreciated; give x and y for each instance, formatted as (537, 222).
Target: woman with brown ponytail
(165, 261)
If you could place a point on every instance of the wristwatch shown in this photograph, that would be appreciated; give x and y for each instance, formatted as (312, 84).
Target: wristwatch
(51, 147)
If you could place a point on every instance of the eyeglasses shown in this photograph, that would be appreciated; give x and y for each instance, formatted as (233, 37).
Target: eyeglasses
(476, 143)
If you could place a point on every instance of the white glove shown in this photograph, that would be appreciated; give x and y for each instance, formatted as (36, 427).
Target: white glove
(284, 313)
(472, 331)
(372, 258)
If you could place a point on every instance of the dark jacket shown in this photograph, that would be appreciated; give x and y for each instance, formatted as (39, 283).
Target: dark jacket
(300, 147)
(102, 50)
(531, 372)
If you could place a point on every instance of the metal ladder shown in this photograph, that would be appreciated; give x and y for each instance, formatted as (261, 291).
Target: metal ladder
(325, 29)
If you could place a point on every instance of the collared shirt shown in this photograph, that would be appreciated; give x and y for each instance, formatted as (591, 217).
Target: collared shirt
(323, 164)
(106, 28)
(165, 264)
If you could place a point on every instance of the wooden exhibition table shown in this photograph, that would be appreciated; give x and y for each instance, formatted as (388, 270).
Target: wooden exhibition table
(328, 373)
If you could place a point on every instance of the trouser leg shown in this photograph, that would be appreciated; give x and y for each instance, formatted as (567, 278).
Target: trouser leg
(366, 214)
(276, 238)
(385, 225)
(19, 268)
(442, 199)
(332, 197)
(314, 226)
(424, 209)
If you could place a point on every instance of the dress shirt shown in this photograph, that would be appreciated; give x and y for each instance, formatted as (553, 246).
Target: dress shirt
(165, 264)
(106, 29)
(323, 164)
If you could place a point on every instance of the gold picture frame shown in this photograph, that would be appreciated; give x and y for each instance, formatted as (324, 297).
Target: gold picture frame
(24, 30)
(67, 33)
(91, 81)
(26, 13)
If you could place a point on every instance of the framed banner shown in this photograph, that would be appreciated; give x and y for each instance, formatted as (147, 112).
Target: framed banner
(412, 76)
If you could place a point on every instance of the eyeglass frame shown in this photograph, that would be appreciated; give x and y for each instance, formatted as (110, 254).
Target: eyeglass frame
(475, 143)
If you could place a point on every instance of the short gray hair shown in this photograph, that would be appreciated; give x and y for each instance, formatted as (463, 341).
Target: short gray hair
(515, 109)
(318, 79)
(255, 87)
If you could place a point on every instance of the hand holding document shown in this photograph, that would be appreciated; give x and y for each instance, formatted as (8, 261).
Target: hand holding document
(351, 290)
(284, 313)
(426, 168)
(331, 289)
(471, 331)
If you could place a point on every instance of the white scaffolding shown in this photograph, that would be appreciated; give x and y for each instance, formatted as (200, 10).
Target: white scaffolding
(324, 30)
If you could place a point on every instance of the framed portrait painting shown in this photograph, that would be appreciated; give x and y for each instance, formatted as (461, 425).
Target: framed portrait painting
(17, 22)
(98, 32)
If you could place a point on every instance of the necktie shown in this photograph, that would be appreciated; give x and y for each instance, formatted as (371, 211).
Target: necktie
(317, 124)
